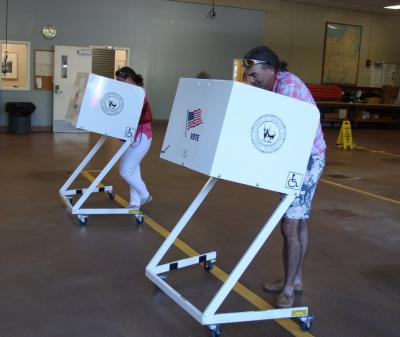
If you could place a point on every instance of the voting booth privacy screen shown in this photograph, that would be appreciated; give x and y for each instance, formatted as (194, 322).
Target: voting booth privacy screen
(105, 106)
(231, 130)
(237, 132)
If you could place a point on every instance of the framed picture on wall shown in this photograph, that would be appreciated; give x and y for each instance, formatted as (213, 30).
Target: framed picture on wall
(341, 53)
(9, 66)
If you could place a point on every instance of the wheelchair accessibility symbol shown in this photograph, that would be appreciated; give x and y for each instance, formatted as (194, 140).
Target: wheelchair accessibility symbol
(294, 180)
(130, 132)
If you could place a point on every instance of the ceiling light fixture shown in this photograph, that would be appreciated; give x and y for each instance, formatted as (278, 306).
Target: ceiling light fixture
(393, 7)
(212, 14)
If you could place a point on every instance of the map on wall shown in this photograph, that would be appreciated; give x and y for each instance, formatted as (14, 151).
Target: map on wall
(342, 53)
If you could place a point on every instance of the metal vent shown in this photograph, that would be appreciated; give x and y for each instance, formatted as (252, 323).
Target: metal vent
(103, 61)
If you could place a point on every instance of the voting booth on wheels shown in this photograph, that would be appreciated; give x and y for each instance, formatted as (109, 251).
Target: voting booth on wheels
(233, 131)
(112, 109)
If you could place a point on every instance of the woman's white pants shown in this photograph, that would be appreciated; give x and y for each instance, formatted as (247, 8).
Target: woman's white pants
(129, 169)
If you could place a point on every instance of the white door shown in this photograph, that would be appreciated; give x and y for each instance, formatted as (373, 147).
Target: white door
(68, 61)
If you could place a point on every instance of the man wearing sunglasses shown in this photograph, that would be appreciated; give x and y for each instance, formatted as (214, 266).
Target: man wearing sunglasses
(264, 70)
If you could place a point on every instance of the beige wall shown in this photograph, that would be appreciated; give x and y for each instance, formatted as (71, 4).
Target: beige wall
(301, 41)
(297, 32)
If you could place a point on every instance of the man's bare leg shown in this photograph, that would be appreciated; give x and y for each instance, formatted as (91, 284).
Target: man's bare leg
(295, 234)
(303, 235)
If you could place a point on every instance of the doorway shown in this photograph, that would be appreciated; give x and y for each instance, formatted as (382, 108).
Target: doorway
(71, 60)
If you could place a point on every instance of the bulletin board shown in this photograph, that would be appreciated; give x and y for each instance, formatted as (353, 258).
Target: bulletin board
(44, 69)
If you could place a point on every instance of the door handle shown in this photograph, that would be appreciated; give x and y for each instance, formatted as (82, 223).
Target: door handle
(57, 89)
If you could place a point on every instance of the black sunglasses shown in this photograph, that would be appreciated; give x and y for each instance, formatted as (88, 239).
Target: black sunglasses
(250, 62)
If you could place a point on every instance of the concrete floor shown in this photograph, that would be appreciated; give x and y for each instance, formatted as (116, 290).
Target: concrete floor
(58, 279)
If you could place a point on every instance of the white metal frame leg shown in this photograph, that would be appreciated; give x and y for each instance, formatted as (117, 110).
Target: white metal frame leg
(182, 223)
(81, 166)
(65, 194)
(209, 316)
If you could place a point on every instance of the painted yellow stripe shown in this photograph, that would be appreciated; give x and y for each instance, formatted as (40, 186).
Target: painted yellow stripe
(372, 195)
(239, 288)
(378, 151)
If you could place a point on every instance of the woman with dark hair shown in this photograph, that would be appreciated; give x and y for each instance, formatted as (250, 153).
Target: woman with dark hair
(139, 80)
(130, 162)
(265, 70)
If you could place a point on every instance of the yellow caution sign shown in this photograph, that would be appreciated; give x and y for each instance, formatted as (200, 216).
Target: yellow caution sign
(345, 138)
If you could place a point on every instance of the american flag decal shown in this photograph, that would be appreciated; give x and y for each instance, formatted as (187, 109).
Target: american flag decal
(193, 119)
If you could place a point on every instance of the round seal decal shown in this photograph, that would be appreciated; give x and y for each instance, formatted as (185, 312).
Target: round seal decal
(112, 103)
(268, 133)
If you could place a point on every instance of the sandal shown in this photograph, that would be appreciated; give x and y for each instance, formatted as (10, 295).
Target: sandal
(285, 300)
(276, 287)
(147, 200)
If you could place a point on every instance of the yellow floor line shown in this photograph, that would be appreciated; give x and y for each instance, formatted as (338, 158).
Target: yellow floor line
(377, 151)
(376, 196)
(239, 288)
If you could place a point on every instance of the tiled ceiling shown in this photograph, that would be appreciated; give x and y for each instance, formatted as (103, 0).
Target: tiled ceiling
(361, 5)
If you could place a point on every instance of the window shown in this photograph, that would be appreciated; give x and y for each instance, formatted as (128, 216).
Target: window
(15, 65)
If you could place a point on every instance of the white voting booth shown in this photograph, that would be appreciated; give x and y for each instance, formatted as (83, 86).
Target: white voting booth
(112, 109)
(233, 131)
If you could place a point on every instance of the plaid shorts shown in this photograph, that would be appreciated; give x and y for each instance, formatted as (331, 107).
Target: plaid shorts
(301, 206)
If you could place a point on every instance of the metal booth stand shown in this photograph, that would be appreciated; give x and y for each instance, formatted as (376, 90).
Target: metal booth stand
(112, 109)
(233, 131)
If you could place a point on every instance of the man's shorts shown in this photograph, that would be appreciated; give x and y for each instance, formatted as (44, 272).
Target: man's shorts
(301, 206)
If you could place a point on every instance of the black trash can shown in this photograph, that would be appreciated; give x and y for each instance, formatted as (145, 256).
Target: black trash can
(20, 116)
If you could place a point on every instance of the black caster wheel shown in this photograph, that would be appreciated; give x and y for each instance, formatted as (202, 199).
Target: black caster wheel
(215, 331)
(209, 265)
(139, 219)
(111, 195)
(305, 326)
(69, 200)
(306, 322)
(82, 219)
